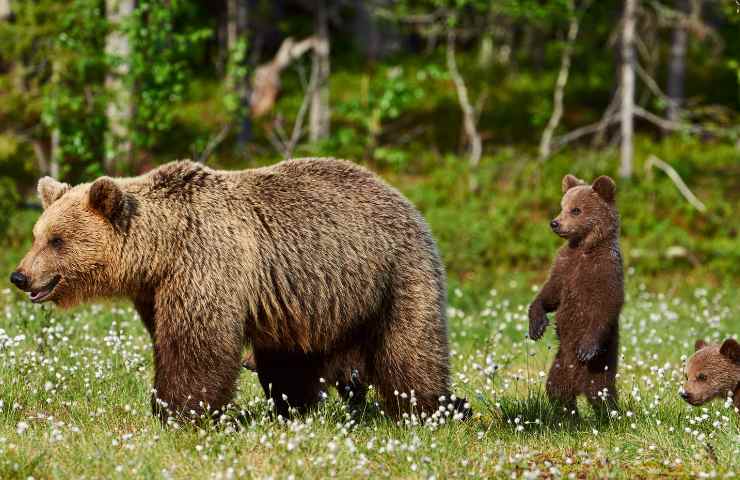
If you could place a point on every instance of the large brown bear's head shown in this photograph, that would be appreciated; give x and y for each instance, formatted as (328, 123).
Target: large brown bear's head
(589, 213)
(712, 371)
(76, 241)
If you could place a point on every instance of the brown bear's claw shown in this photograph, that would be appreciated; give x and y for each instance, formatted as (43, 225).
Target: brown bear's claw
(586, 354)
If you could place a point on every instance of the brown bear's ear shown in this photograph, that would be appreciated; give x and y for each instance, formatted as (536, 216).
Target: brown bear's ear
(106, 198)
(731, 349)
(50, 191)
(606, 188)
(569, 181)
(699, 344)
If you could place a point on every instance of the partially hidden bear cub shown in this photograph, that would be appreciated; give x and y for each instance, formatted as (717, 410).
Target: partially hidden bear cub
(323, 268)
(713, 371)
(586, 290)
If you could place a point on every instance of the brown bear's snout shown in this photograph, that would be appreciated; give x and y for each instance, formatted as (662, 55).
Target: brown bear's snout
(18, 279)
(555, 225)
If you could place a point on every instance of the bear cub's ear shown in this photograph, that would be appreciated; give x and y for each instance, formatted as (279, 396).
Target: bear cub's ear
(731, 349)
(50, 191)
(106, 198)
(606, 188)
(570, 181)
(699, 344)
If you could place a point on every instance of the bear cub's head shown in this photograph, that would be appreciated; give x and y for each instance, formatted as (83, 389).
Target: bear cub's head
(589, 213)
(75, 242)
(712, 371)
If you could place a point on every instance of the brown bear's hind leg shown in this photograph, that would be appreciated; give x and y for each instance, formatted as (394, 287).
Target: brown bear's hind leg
(413, 361)
(600, 380)
(561, 386)
(290, 379)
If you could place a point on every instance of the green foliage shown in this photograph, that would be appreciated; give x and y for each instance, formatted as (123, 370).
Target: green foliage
(158, 66)
(382, 99)
(236, 76)
(74, 98)
(9, 199)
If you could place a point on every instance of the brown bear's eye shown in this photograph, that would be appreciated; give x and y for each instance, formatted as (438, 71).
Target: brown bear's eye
(56, 242)
(575, 211)
(701, 377)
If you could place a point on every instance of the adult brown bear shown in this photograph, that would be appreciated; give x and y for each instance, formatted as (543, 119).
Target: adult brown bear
(326, 270)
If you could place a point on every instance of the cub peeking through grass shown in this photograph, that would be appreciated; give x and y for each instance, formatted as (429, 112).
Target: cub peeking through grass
(713, 371)
(586, 290)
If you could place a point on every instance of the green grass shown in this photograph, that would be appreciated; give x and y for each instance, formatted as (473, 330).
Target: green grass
(75, 403)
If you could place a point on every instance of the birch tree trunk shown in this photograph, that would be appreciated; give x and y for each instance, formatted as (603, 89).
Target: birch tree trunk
(320, 113)
(469, 115)
(5, 10)
(120, 107)
(237, 30)
(628, 89)
(562, 80)
(55, 151)
(677, 66)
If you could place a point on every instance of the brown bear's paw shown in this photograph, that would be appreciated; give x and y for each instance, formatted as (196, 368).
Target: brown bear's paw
(538, 321)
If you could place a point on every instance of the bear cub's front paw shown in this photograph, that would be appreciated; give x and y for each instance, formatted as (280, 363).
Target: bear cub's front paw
(587, 352)
(538, 321)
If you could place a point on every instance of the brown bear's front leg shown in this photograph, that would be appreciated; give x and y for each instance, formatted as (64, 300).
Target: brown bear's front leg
(192, 383)
(197, 362)
(545, 302)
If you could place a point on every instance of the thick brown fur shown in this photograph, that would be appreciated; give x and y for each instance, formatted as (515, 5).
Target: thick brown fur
(713, 371)
(586, 290)
(326, 271)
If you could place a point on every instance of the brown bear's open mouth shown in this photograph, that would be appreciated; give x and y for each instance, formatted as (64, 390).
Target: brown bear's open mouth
(38, 296)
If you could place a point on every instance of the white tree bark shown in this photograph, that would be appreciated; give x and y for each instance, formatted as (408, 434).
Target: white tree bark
(627, 89)
(55, 155)
(55, 152)
(5, 10)
(469, 116)
(320, 113)
(119, 111)
(562, 80)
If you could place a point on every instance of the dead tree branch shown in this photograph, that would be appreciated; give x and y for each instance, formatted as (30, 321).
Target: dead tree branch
(656, 162)
(277, 137)
(266, 79)
(213, 143)
(605, 118)
(666, 124)
(571, 136)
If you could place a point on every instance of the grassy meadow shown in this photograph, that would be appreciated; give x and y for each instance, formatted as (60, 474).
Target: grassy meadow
(74, 400)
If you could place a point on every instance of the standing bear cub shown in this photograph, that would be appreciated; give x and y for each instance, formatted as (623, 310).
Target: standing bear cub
(586, 290)
(327, 271)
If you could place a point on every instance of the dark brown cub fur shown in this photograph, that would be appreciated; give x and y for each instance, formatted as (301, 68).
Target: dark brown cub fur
(586, 290)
